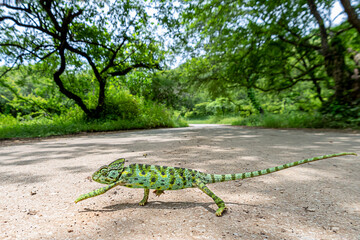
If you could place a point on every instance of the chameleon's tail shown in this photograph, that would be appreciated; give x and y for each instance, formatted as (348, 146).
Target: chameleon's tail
(213, 178)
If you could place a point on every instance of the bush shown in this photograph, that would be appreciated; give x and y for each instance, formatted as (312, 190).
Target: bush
(7, 120)
(219, 107)
(285, 120)
(121, 104)
(198, 111)
(147, 115)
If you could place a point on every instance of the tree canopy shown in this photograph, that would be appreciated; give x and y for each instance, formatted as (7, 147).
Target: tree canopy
(273, 45)
(107, 38)
(233, 49)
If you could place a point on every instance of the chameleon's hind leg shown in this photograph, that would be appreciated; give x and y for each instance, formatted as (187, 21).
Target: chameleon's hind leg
(159, 192)
(219, 202)
(145, 198)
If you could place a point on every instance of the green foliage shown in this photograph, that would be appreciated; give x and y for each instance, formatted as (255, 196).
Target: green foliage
(138, 82)
(33, 108)
(294, 120)
(86, 45)
(30, 90)
(219, 107)
(121, 104)
(151, 115)
(198, 111)
(214, 120)
(96, 61)
(285, 120)
(272, 47)
(341, 115)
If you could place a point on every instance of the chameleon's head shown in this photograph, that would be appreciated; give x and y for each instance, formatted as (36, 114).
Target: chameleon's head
(109, 173)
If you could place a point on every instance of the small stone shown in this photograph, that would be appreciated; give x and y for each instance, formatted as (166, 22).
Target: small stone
(334, 229)
(32, 193)
(70, 231)
(309, 209)
(31, 212)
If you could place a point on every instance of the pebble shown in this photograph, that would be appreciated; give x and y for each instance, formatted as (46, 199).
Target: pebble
(309, 209)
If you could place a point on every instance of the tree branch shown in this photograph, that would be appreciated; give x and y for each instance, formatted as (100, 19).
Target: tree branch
(353, 18)
(320, 21)
(16, 8)
(29, 26)
(112, 59)
(138, 65)
(60, 84)
(298, 43)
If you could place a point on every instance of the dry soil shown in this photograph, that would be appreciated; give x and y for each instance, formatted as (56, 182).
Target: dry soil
(40, 179)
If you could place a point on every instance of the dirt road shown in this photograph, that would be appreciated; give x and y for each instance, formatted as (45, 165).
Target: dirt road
(39, 181)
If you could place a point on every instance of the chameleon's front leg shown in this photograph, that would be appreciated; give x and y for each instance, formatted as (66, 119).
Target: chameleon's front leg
(97, 192)
(145, 198)
(219, 202)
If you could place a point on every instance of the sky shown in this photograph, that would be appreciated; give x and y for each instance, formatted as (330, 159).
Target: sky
(336, 11)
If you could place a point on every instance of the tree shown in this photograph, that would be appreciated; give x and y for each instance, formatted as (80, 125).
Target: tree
(272, 46)
(107, 38)
(353, 17)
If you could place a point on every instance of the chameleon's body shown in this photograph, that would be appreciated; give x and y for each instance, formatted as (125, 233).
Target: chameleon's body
(163, 178)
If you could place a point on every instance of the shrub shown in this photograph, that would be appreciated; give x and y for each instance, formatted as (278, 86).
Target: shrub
(286, 120)
(121, 104)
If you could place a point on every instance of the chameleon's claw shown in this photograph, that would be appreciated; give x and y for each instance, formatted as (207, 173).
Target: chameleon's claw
(220, 211)
(142, 203)
(159, 192)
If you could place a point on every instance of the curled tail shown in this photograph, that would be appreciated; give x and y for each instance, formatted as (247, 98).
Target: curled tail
(213, 178)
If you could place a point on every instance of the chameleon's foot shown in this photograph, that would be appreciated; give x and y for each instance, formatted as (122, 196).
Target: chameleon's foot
(142, 202)
(220, 211)
(159, 192)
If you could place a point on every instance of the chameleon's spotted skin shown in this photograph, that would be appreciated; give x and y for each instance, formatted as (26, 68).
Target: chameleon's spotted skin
(163, 178)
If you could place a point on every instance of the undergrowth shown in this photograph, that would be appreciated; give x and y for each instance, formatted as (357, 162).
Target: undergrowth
(284, 120)
(152, 116)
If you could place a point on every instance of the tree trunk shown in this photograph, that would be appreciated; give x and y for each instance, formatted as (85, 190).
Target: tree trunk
(336, 68)
(353, 18)
(61, 86)
(334, 55)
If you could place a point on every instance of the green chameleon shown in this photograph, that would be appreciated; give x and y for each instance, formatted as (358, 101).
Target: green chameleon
(163, 178)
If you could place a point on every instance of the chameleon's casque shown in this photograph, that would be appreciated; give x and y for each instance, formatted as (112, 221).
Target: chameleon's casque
(163, 178)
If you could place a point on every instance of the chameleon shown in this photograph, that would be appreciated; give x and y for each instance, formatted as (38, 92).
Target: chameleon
(161, 178)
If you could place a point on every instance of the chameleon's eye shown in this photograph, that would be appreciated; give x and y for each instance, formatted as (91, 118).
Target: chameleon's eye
(113, 175)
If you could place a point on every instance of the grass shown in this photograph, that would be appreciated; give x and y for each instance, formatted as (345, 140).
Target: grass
(270, 120)
(73, 123)
(155, 117)
(289, 120)
(213, 120)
